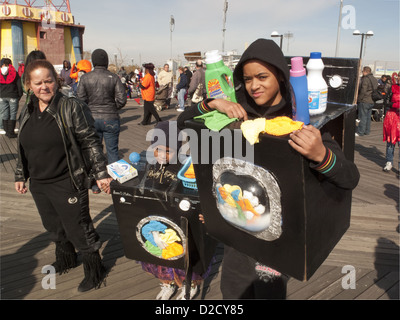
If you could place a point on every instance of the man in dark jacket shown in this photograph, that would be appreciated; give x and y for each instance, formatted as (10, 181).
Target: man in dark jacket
(104, 93)
(181, 89)
(365, 103)
(197, 84)
(10, 94)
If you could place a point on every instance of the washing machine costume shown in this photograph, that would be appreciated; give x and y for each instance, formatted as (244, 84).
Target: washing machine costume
(297, 186)
(159, 218)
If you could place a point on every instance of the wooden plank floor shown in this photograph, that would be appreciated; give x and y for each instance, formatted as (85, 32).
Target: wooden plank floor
(370, 246)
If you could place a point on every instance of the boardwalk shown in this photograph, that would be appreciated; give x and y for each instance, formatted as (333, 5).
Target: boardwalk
(371, 245)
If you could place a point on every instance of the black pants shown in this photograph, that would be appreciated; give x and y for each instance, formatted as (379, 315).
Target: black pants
(241, 280)
(65, 214)
(149, 110)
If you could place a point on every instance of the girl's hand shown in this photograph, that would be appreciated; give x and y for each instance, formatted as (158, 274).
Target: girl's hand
(231, 109)
(21, 187)
(201, 218)
(104, 185)
(308, 142)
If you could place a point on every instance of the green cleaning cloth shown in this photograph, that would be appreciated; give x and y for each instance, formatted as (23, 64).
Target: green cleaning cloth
(215, 120)
(153, 249)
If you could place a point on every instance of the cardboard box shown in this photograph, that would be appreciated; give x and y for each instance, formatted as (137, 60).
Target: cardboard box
(308, 216)
(121, 171)
(141, 201)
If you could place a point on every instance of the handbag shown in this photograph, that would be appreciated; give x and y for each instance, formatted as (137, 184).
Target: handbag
(198, 94)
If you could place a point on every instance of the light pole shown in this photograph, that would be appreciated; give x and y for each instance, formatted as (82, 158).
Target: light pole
(288, 35)
(171, 28)
(275, 34)
(338, 31)
(363, 35)
(223, 25)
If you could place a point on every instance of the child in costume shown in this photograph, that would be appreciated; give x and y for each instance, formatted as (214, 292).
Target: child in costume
(261, 80)
(165, 171)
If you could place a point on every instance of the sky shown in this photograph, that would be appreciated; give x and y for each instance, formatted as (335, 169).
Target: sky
(139, 31)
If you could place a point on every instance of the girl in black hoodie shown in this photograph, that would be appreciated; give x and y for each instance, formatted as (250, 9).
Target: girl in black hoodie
(262, 88)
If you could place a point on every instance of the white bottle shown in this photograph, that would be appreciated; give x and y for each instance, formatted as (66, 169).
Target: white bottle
(317, 87)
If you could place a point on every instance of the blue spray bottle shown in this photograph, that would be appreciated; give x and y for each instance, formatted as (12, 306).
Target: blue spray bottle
(298, 80)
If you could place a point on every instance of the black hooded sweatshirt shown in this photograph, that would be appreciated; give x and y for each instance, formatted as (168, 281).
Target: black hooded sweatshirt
(342, 173)
(266, 51)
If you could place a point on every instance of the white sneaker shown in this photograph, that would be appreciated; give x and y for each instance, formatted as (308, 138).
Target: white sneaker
(193, 292)
(357, 135)
(167, 291)
(388, 166)
(180, 110)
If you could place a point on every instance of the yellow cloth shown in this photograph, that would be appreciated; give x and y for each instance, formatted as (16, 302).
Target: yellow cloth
(226, 195)
(278, 126)
(169, 236)
(252, 128)
(229, 188)
(173, 250)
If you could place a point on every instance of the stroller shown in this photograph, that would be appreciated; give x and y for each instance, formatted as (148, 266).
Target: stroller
(160, 101)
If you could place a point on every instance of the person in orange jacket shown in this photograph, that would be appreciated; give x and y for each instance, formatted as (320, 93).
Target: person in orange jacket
(147, 86)
(83, 66)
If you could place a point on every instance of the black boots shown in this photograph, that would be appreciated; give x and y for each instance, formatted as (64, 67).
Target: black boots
(94, 271)
(9, 126)
(66, 257)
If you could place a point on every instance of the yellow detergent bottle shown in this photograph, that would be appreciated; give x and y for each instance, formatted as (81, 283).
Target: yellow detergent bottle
(219, 78)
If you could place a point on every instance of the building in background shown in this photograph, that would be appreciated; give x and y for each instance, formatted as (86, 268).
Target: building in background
(45, 25)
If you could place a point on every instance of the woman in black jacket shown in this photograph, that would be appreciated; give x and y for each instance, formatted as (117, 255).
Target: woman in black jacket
(58, 147)
(262, 85)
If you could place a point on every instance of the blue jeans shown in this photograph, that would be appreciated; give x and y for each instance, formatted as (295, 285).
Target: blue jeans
(364, 115)
(109, 130)
(8, 109)
(390, 152)
(181, 98)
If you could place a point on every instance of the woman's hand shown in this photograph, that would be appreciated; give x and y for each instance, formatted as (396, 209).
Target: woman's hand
(21, 187)
(308, 142)
(104, 185)
(231, 109)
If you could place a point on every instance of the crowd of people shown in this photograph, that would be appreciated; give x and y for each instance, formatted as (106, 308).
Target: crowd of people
(388, 87)
(67, 116)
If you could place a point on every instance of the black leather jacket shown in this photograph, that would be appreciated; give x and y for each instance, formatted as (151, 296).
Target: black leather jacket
(85, 157)
(104, 93)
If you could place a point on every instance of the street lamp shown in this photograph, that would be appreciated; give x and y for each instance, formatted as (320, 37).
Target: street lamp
(171, 28)
(363, 35)
(275, 34)
(116, 62)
